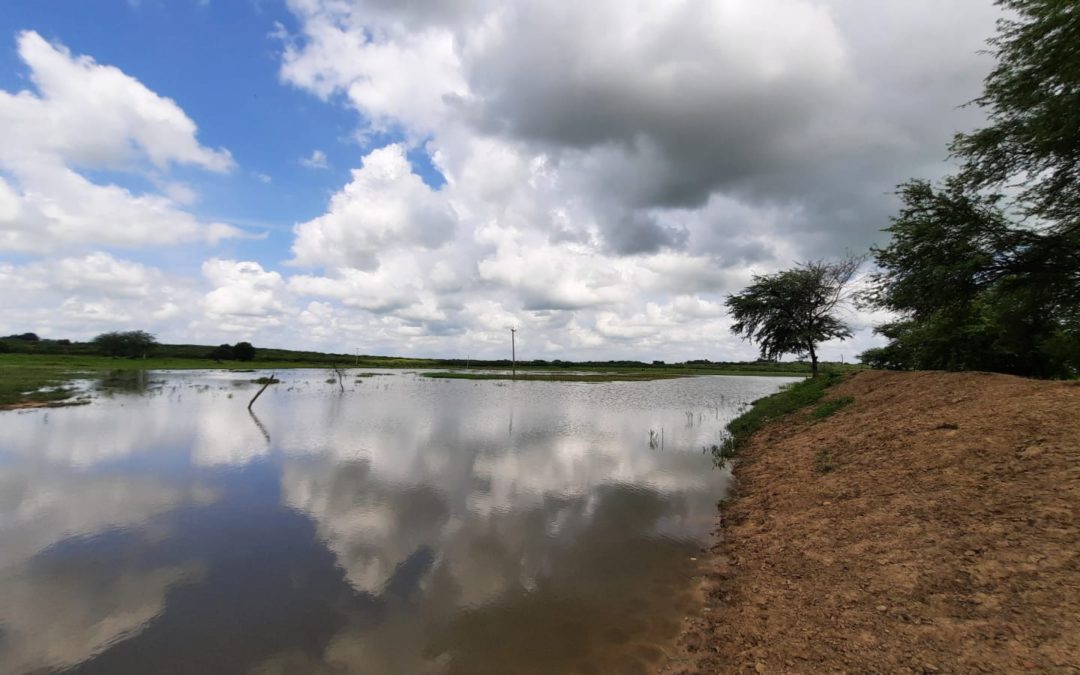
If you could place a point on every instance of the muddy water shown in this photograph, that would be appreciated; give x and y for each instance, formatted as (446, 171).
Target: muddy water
(407, 525)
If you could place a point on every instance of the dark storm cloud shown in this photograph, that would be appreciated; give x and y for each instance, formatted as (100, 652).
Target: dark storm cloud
(822, 108)
(681, 110)
(636, 232)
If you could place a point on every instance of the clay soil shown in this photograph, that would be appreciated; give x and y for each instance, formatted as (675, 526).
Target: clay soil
(930, 526)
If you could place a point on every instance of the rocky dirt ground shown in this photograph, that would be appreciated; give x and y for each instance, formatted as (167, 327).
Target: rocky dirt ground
(930, 526)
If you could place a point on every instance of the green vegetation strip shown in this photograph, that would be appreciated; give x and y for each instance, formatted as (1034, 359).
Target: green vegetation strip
(39, 385)
(43, 380)
(788, 400)
(829, 407)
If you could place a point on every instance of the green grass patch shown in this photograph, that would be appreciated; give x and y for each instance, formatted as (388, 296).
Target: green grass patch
(829, 407)
(33, 385)
(788, 400)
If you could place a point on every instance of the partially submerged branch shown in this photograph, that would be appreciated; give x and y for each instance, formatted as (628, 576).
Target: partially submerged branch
(266, 383)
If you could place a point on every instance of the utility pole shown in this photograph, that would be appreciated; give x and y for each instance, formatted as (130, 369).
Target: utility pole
(513, 354)
(358, 356)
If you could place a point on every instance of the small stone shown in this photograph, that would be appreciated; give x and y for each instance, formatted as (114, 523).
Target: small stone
(759, 667)
(969, 553)
(882, 608)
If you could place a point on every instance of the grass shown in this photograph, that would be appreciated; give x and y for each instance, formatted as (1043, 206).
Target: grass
(788, 400)
(84, 363)
(829, 407)
(38, 385)
(40, 380)
(823, 461)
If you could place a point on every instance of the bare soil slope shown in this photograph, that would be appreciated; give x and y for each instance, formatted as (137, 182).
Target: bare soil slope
(945, 537)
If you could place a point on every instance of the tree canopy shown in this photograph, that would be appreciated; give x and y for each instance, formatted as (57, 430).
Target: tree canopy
(984, 281)
(793, 311)
(1032, 101)
(132, 343)
(244, 351)
(971, 288)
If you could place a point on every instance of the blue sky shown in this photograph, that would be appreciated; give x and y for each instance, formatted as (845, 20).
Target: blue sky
(219, 62)
(417, 177)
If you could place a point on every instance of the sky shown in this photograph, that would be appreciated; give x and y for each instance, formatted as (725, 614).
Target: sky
(415, 177)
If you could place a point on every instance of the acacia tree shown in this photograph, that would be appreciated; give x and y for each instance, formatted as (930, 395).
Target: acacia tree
(791, 312)
(1032, 102)
(244, 351)
(132, 343)
(974, 289)
(971, 290)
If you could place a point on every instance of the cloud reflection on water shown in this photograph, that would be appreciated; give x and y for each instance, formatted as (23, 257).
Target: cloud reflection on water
(445, 523)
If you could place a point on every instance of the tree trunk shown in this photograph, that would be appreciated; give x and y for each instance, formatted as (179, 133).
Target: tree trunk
(813, 361)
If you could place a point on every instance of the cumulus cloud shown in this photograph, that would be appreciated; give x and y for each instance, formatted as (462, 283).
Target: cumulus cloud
(96, 115)
(615, 168)
(79, 296)
(85, 115)
(607, 171)
(385, 206)
(242, 289)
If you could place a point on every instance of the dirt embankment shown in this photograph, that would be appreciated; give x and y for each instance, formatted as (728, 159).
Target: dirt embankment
(930, 526)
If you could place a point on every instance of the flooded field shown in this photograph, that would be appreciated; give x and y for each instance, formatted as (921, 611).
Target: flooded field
(405, 525)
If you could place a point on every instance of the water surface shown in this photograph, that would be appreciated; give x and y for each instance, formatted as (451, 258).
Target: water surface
(407, 525)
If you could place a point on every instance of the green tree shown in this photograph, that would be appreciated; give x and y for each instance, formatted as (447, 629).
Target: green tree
(244, 351)
(1031, 144)
(1032, 102)
(791, 312)
(132, 343)
(222, 353)
(972, 290)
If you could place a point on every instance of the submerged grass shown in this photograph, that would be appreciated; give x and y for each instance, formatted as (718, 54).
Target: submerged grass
(786, 401)
(32, 385)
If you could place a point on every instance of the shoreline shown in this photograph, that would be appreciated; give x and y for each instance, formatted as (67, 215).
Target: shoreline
(931, 525)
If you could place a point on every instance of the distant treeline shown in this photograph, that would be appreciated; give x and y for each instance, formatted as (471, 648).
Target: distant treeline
(29, 343)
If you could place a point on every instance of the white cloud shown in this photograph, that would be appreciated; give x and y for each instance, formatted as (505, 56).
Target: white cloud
(242, 290)
(78, 297)
(615, 168)
(612, 170)
(385, 206)
(84, 115)
(317, 160)
(96, 115)
(180, 193)
(101, 272)
(57, 208)
(393, 74)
